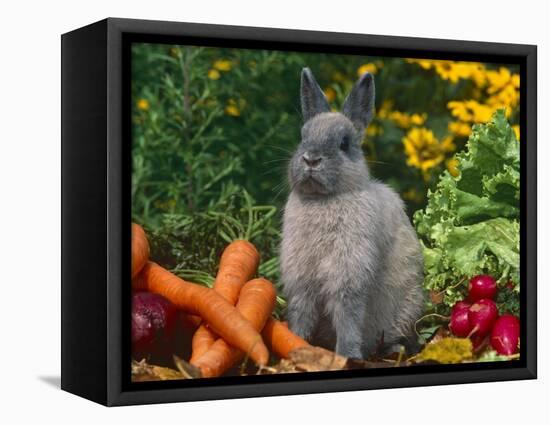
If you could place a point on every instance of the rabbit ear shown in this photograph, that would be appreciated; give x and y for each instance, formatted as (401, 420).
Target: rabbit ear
(313, 99)
(359, 105)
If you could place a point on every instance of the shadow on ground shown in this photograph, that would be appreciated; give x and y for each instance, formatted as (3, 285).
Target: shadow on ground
(54, 381)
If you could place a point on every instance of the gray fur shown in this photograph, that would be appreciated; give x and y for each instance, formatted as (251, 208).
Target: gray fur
(312, 97)
(359, 105)
(351, 264)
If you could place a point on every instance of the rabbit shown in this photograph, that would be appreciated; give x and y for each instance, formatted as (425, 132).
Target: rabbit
(350, 261)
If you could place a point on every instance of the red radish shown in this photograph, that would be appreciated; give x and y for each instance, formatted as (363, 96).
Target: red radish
(482, 316)
(505, 335)
(460, 325)
(482, 286)
(153, 324)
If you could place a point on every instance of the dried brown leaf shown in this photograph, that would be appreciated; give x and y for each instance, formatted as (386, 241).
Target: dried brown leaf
(436, 297)
(316, 359)
(141, 372)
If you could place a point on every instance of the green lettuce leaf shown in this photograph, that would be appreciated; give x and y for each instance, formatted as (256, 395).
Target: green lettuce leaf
(471, 222)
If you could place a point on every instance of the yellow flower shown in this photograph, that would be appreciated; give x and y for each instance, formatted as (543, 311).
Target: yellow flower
(404, 120)
(459, 110)
(330, 94)
(234, 108)
(516, 130)
(452, 167)
(503, 89)
(470, 110)
(459, 128)
(412, 195)
(470, 70)
(143, 104)
(447, 71)
(499, 89)
(478, 74)
(214, 74)
(481, 113)
(424, 151)
(417, 119)
(374, 130)
(498, 79)
(401, 119)
(447, 144)
(367, 67)
(384, 109)
(423, 63)
(454, 70)
(223, 65)
(507, 98)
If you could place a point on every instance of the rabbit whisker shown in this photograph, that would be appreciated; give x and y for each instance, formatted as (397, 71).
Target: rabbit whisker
(275, 160)
(281, 149)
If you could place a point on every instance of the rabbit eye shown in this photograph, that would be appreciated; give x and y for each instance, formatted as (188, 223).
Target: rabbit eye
(344, 144)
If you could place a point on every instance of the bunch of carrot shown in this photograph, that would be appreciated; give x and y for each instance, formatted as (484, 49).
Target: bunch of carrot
(235, 315)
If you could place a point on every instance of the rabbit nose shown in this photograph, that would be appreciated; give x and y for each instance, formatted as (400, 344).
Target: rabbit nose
(312, 162)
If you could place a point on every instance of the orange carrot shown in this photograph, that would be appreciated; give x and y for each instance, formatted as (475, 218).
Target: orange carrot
(238, 264)
(203, 339)
(140, 249)
(256, 303)
(280, 339)
(191, 321)
(221, 316)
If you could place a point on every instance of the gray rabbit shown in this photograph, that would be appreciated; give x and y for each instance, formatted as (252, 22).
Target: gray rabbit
(351, 264)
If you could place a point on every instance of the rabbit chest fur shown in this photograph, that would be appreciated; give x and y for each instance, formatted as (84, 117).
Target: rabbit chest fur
(351, 264)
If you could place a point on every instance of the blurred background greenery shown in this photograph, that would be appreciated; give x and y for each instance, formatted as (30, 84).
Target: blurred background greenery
(213, 129)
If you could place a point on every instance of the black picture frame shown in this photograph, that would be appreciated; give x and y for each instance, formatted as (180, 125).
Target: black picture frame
(96, 172)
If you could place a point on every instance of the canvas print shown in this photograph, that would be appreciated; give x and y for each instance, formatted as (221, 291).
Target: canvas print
(298, 212)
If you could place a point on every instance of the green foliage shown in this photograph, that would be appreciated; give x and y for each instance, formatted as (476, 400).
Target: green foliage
(493, 356)
(191, 244)
(471, 222)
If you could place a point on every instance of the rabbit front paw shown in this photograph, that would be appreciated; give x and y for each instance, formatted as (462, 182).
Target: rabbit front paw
(349, 348)
(302, 322)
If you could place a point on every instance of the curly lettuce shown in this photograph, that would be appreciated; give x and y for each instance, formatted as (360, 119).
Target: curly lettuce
(471, 222)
